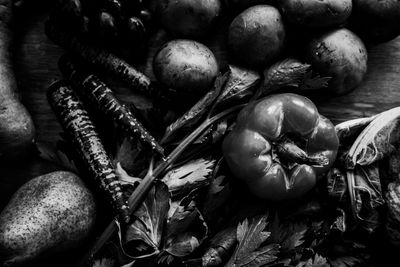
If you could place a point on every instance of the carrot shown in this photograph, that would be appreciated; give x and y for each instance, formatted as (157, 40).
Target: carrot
(108, 25)
(16, 125)
(219, 251)
(136, 29)
(114, 7)
(69, 12)
(222, 245)
(101, 96)
(76, 123)
(103, 60)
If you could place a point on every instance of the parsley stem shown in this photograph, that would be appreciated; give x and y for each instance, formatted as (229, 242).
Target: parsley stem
(140, 193)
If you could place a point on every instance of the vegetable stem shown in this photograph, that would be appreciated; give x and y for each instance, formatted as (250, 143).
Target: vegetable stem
(289, 150)
(137, 197)
(195, 113)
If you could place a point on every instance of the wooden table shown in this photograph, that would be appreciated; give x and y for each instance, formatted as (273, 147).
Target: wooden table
(36, 67)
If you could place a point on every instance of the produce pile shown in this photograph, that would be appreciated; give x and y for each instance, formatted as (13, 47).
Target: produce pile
(230, 163)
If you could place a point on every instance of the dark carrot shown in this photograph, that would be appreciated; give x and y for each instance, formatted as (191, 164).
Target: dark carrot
(76, 123)
(114, 7)
(101, 96)
(219, 251)
(16, 126)
(103, 60)
(221, 248)
(108, 25)
(68, 12)
(135, 29)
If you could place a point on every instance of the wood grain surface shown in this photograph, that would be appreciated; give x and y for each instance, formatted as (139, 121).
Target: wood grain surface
(36, 67)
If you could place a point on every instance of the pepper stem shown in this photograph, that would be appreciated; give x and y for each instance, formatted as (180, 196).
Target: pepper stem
(288, 150)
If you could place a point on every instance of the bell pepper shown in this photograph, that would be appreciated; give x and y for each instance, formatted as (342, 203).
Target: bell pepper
(280, 145)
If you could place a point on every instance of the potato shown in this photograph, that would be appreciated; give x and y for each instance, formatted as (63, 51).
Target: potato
(243, 4)
(341, 55)
(256, 36)
(316, 13)
(186, 66)
(188, 18)
(376, 21)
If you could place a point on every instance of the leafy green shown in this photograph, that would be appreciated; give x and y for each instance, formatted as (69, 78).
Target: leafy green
(143, 237)
(131, 155)
(348, 131)
(313, 82)
(250, 252)
(345, 261)
(124, 177)
(217, 195)
(288, 235)
(104, 262)
(167, 259)
(213, 134)
(56, 154)
(337, 185)
(317, 261)
(392, 198)
(234, 85)
(366, 195)
(130, 264)
(289, 72)
(340, 221)
(377, 141)
(194, 174)
(163, 228)
(240, 85)
(186, 229)
(194, 114)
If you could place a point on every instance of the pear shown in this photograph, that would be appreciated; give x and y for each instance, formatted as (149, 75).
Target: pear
(50, 213)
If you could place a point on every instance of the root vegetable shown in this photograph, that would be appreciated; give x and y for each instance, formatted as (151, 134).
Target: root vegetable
(376, 21)
(221, 247)
(90, 87)
(316, 13)
(339, 54)
(80, 129)
(188, 18)
(187, 66)
(239, 5)
(103, 60)
(256, 36)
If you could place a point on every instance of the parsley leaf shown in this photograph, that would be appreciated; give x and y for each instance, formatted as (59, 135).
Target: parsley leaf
(250, 252)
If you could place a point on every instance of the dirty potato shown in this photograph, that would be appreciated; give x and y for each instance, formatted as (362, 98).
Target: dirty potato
(316, 13)
(341, 55)
(186, 66)
(256, 36)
